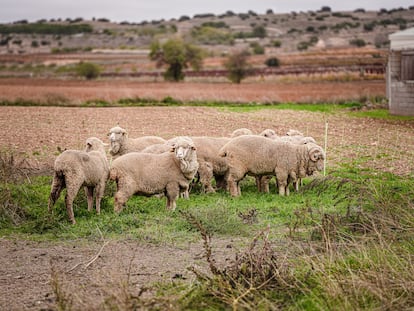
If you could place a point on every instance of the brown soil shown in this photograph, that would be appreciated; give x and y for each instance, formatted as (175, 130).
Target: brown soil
(77, 91)
(26, 267)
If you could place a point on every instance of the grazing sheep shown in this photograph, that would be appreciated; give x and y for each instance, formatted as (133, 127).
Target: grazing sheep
(241, 131)
(211, 164)
(148, 174)
(74, 168)
(259, 156)
(122, 144)
(293, 136)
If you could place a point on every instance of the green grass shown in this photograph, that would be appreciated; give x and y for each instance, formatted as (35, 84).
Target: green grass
(343, 242)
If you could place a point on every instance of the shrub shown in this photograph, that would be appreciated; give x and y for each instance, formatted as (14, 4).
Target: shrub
(272, 62)
(237, 66)
(88, 70)
(259, 31)
(276, 43)
(358, 42)
(302, 46)
(257, 48)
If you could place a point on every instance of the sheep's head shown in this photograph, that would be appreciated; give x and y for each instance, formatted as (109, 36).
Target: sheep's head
(269, 133)
(316, 158)
(183, 147)
(116, 137)
(95, 144)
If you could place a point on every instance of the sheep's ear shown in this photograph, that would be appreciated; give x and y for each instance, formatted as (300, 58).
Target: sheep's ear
(105, 144)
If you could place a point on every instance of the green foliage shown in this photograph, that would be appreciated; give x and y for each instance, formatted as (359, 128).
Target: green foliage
(237, 66)
(259, 31)
(177, 55)
(357, 42)
(211, 35)
(88, 70)
(272, 62)
(43, 28)
(276, 43)
(257, 48)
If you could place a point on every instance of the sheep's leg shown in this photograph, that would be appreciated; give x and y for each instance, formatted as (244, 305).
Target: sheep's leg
(234, 187)
(282, 184)
(258, 183)
(99, 193)
(264, 183)
(57, 186)
(184, 192)
(89, 197)
(172, 192)
(205, 171)
(71, 192)
(297, 183)
(221, 182)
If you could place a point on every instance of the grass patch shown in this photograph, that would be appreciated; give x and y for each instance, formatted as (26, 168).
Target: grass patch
(343, 242)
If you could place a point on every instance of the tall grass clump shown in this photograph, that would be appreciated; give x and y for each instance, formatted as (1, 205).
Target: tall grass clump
(358, 257)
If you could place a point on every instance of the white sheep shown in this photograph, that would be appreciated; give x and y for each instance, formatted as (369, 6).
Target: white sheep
(211, 165)
(259, 156)
(293, 136)
(122, 144)
(74, 168)
(148, 174)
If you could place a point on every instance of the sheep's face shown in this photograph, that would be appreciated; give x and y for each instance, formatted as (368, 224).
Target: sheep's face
(183, 149)
(116, 136)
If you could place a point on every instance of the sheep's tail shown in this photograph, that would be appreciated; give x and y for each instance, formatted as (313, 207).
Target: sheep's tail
(58, 185)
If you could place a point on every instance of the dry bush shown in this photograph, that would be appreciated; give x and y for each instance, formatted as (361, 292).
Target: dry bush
(14, 167)
(246, 282)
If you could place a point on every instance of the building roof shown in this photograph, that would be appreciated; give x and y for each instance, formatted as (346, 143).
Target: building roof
(402, 40)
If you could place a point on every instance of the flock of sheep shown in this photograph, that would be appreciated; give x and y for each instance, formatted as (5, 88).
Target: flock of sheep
(151, 165)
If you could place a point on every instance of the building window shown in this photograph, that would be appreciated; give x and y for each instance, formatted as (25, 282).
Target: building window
(407, 65)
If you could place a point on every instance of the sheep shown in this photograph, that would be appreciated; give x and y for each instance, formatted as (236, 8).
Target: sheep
(211, 164)
(241, 131)
(74, 168)
(122, 144)
(258, 155)
(293, 136)
(148, 174)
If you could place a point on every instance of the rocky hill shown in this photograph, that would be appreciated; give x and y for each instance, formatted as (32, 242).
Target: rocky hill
(262, 33)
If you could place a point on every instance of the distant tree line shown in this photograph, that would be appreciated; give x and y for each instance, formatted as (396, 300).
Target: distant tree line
(42, 28)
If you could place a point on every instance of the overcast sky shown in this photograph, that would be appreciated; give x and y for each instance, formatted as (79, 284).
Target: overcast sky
(147, 10)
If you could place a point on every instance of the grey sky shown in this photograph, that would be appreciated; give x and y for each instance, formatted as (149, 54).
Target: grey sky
(138, 10)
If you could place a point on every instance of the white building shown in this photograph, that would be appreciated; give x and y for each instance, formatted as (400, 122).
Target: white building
(400, 73)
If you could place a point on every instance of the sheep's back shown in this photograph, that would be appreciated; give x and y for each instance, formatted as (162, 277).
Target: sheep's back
(148, 170)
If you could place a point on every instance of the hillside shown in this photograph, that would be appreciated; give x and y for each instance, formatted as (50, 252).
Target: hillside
(296, 31)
